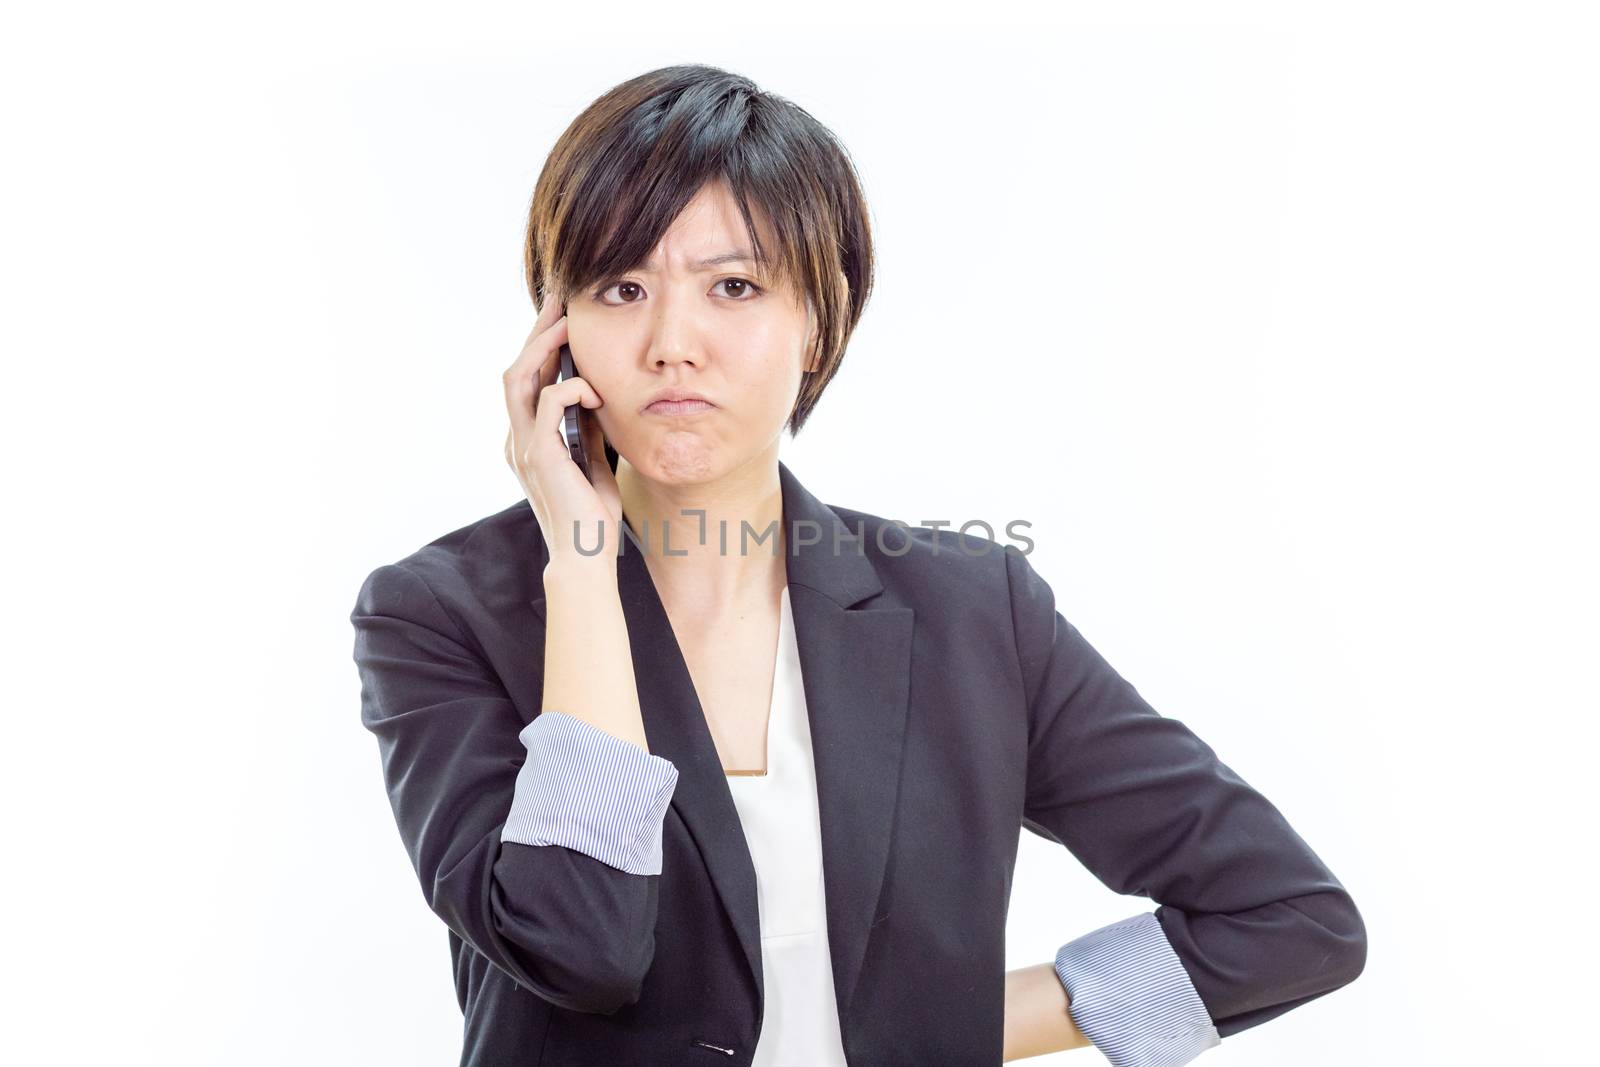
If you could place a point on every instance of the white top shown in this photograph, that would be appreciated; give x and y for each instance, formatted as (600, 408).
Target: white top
(800, 1019)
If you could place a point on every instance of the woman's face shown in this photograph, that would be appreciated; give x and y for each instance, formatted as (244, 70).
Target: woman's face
(723, 330)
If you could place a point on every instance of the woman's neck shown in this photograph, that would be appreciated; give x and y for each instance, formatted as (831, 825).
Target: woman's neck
(710, 547)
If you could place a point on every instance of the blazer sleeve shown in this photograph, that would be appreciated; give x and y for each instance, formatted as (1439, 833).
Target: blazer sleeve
(537, 845)
(1258, 922)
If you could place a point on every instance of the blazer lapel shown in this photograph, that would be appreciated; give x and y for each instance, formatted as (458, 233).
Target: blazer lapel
(856, 670)
(856, 667)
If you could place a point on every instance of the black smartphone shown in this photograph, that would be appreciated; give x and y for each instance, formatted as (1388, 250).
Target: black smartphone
(575, 420)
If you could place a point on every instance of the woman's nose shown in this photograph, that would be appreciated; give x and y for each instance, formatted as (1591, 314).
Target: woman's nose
(674, 332)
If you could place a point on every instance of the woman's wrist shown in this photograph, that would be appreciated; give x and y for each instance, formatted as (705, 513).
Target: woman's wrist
(1037, 1020)
(580, 572)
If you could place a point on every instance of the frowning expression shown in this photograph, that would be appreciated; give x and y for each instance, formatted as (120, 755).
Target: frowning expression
(701, 320)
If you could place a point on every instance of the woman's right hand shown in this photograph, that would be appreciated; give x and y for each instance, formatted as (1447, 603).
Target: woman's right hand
(537, 450)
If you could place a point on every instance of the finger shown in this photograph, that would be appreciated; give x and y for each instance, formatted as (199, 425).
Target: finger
(601, 476)
(604, 479)
(553, 403)
(594, 442)
(532, 371)
(549, 370)
(537, 347)
(553, 310)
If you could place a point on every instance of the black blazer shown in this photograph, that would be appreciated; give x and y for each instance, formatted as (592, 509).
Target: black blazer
(950, 705)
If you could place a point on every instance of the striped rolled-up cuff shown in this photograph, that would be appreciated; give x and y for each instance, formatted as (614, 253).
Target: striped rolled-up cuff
(591, 791)
(1130, 995)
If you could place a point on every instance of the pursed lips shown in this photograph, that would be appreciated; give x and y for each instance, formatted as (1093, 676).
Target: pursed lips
(679, 407)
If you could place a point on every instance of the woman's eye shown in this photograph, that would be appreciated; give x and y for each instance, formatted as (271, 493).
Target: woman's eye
(741, 287)
(622, 286)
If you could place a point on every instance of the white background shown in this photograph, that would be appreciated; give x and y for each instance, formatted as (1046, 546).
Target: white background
(1278, 322)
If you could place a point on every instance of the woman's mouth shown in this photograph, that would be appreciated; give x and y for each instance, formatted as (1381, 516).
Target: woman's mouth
(678, 407)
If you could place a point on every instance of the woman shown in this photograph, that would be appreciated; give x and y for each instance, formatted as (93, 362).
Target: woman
(758, 799)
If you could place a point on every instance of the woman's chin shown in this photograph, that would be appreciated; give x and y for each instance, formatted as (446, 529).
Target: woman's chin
(684, 459)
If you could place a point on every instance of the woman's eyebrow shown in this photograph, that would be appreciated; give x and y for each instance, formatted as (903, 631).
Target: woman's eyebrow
(735, 256)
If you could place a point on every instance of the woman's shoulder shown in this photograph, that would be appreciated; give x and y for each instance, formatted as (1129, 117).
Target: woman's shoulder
(490, 563)
(933, 563)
